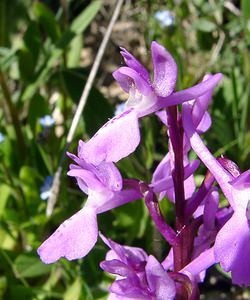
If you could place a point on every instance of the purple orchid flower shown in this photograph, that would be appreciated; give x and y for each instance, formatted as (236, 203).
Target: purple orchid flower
(106, 190)
(120, 136)
(220, 174)
(232, 243)
(208, 230)
(213, 219)
(163, 172)
(138, 276)
(162, 181)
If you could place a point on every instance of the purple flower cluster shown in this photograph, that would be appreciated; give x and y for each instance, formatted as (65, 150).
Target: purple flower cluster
(205, 233)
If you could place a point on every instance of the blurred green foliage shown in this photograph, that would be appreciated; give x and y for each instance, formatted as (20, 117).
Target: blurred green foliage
(40, 73)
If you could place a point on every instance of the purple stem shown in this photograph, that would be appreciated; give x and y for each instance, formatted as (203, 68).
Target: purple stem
(176, 138)
(200, 195)
(183, 250)
(167, 232)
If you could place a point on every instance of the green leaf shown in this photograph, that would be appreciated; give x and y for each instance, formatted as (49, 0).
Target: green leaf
(47, 20)
(204, 25)
(43, 75)
(74, 291)
(3, 286)
(29, 186)
(21, 292)
(38, 107)
(32, 39)
(82, 21)
(74, 52)
(7, 58)
(63, 42)
(29, 266)
(26, 64)
(5, 191)
(131, 219)
(245, 8)
(97, 111)
(29, 53)
(7, 240)
(45, 158)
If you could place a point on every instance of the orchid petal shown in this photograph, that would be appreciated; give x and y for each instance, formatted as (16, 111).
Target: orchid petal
(210, 209)
(79, 159)
(73, 239)
(205, 260)
(159, 282)
(109, 175)
(128, 78)
(205, 123)
(162, 115)
(106, 172)
(130, 192)
(241, 190)
(232, 248)
(115, 297)
(167, 182)
(200, 105)
(165, 70)
(162, 170)
(115, 140)
(189, 93)
(133, 256)
(133, 63)
(111, 254)
(219, 173)
(115, 266)
(85, 178)
(129, 288)
(168, 262)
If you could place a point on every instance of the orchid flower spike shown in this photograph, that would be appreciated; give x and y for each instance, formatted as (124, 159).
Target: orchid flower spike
(106, 190)
(120, 136)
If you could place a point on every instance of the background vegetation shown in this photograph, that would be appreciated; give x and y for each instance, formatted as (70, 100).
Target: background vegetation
(46, 51)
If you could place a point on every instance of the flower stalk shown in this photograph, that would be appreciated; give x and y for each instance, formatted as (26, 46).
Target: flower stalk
(184, 245)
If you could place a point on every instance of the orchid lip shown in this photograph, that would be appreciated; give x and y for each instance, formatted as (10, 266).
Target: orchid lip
(138, 101)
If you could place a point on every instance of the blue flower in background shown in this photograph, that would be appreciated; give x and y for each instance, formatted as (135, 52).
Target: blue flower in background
(165, 18)
(2, 137)
(119, 108)
(45, 189)
(47, 121)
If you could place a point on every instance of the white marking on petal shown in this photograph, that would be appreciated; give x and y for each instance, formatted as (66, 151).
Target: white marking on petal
(248, 211)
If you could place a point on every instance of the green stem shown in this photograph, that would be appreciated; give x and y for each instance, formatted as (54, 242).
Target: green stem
(13, 114)
(13, 268)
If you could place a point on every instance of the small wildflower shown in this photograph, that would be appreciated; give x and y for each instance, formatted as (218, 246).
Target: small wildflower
(165, 18)
(2, 138)
(106, 190)
(47, 121)
(120, 108)
(45, 189)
